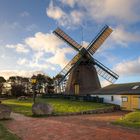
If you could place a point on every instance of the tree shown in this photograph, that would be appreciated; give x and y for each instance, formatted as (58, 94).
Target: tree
(59, 87)
(2, 80)
(1, 86)
(58, 76)
(25, 82)
(41, 80)
(18, 80)
(18, 90)
(50, 85)
(44, 82)
(12, 78)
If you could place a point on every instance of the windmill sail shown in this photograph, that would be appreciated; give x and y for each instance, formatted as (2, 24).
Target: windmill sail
(62, 35)
(69, 66)
(99, 39)
(105, 72)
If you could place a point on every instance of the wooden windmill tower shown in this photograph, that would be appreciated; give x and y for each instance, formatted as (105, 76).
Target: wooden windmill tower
(83, 69)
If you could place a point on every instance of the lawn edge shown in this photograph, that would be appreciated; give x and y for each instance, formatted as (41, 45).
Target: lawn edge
(8, 130)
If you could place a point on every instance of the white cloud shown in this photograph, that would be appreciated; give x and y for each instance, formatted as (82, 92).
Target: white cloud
(48, 52)
(122, 12)
(70, 20)
(104, 10)
(3, 56)
(31, 27)
(76, 16)
(34, 62)
(6, 26)
(24, 14)
(21, 48)
(54, 11)
(64, 19)
(22, 61)
(85, 44)
(59, 58)
(130, 67)
(116, 9)
(121, 36)
(44, 42)
(1, 40)
(71, 3)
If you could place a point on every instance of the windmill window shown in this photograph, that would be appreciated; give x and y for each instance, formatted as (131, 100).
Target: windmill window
(112, 98)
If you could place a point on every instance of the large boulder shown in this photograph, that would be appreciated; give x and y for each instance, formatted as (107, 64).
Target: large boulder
(5, 112)
(42, 109)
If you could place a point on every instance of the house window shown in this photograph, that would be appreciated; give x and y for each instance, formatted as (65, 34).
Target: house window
(112, 98)
(124, 99)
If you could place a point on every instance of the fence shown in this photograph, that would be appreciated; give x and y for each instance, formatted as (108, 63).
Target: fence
(75, 97)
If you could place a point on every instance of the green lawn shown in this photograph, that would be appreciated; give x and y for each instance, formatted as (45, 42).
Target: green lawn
(130, 120)
(5, 134)
(59, 105)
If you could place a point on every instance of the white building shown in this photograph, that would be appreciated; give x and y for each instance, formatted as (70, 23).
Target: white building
(126, 95)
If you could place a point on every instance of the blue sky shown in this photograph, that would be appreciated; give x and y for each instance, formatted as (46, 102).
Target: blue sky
(27, 44)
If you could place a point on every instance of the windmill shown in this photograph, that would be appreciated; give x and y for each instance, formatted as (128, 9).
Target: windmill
(83, 69)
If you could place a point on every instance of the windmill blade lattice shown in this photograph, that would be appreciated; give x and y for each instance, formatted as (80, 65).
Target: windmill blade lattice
(105, 72)
(65, 71)
(62, 35)
(99, 39)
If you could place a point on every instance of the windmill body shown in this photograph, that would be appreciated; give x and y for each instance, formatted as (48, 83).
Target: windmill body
(83, 69)
(83, 79)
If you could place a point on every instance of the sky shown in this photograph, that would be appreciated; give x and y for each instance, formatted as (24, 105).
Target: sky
(28, 46)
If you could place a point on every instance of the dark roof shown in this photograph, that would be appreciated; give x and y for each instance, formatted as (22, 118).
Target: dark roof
(122, 89)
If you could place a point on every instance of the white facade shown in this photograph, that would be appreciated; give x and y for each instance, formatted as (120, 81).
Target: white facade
(113, 99)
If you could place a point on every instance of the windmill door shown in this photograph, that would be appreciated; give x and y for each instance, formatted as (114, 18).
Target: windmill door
(76, 89)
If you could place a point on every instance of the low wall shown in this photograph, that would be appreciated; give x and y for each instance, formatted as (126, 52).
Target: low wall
(97, 111)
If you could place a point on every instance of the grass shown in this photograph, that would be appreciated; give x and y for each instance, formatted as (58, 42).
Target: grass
(129, 120)
(5, 134)
(59, 105)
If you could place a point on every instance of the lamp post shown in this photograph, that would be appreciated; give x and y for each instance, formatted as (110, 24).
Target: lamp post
(34, 82)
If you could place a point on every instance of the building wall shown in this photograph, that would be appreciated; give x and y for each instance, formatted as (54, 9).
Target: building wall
(107, 99)
(132, 103)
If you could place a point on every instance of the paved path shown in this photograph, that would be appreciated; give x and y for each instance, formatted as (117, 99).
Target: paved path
(84, 127)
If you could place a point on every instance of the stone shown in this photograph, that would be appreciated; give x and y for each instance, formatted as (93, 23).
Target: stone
(42, 109)
(5, 112)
